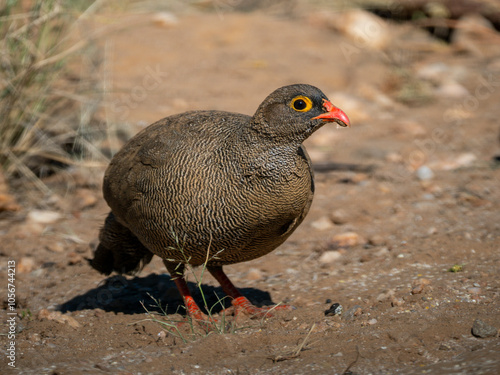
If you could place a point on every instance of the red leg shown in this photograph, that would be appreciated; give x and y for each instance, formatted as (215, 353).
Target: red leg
(239, 301)
(192, 308)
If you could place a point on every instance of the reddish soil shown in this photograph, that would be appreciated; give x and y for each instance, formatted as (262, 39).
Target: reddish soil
(403, 310)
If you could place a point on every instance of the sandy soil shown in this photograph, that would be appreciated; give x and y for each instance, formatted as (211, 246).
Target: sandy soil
(380, 239)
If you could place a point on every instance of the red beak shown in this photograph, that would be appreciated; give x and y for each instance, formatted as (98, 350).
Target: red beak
(333, 114)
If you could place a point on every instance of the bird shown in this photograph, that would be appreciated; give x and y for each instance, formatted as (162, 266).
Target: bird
(212, 188)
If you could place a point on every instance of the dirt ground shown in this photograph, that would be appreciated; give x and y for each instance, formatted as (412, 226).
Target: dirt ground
(404, 197)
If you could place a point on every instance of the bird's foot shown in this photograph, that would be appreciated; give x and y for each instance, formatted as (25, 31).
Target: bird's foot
(195, 315)
(242, 304)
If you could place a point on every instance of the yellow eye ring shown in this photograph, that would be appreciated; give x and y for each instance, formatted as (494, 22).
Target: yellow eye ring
(301, 103)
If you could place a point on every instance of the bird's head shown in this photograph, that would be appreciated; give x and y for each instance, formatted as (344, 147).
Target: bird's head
(294, 112)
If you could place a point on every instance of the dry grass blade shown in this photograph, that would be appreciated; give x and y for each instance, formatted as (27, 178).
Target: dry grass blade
(296, 353)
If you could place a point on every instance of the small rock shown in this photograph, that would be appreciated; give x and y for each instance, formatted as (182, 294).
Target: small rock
(55, 247)
(363, 28)
(74, 258)
(44, 216)
(57, 316)
(377, 240)
(419, 285)
(387, 295)
(347, 239)
(322, 223)
(382, 252)
(372, 321)
(339, 217)
(451, 89)
(433, 72)
(396, 301)
(353, 312)
(254, 274)
(474, 291)
(394, 157)
(8, 203)
(424, 173)
(483, 330)
(329, 257)
(335, 309)
(465, 159)
(165, 19)
(25, 265)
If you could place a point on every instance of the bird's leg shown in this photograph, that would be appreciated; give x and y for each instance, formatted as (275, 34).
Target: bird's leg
(239, 301)
(177, 274)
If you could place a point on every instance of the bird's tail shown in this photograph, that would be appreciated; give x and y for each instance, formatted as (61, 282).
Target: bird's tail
(119, 250)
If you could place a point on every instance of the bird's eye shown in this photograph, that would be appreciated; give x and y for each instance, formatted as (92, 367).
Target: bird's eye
(301, 103)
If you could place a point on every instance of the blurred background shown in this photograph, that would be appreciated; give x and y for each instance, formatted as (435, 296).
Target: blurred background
(80, 77)
(412, 185)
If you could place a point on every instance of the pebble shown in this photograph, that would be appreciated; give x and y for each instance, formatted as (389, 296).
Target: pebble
(388, 295)
(44, 216)
(383, 251)
(25, 265)
(424, 173)
(474, 290)
(377, 240)
(74, 258)
(372, 321)
(165, 19)
(323, 223)
(339, 217)
(432, 230)
(353, 312)
(329, 257)
(59, 317)
(394, 157)
(463, 160)
(8, 203)
(254, 274)
(347, 239)
(363, 28)
(433, 72)
(451, 89)
(55, 247)
(419, 285)
(483, 330)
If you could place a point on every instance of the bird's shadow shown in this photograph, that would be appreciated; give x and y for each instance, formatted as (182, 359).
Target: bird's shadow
(154, 293)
